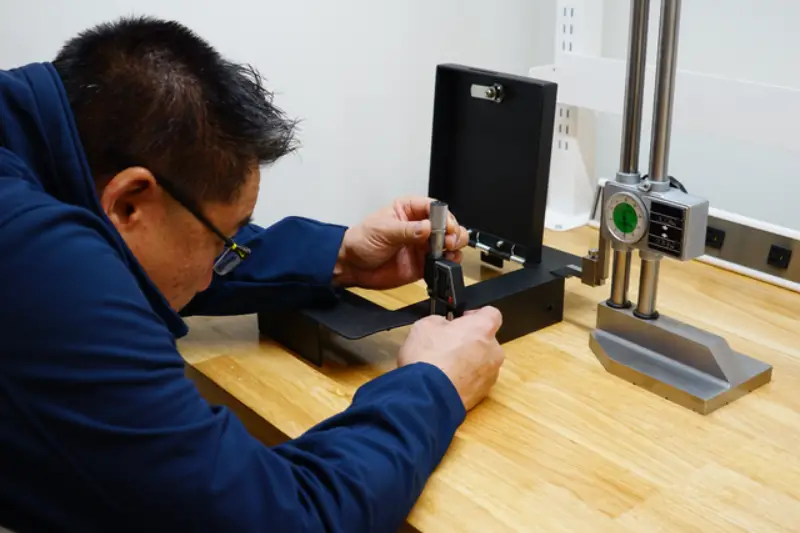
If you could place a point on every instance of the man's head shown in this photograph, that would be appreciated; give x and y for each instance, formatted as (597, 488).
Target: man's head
(171, 131)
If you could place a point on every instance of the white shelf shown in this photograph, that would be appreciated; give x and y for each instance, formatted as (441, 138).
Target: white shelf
(742, 110)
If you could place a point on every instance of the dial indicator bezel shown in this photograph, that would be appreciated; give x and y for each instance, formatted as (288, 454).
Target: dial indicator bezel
(640, 227)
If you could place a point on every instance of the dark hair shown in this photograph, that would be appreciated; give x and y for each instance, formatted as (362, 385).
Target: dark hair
(150, 92)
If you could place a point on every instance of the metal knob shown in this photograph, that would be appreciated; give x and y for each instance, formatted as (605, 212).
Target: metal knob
(495, 92)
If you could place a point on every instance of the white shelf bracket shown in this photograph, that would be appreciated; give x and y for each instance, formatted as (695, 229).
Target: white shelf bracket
(571, 189)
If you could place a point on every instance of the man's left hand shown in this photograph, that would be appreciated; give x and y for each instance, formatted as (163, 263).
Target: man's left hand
(388, 248)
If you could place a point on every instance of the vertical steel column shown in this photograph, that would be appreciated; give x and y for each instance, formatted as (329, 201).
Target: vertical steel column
(665, 90)
(620, 279)
(634, 88)
(648, 289)
(660, 144)
(631, 135)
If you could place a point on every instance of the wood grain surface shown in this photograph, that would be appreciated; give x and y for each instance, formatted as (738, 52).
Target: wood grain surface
(560, 444)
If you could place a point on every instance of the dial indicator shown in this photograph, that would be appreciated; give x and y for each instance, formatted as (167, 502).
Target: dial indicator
(626, 217)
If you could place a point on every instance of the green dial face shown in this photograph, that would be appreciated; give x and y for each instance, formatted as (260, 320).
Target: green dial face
(625, 217)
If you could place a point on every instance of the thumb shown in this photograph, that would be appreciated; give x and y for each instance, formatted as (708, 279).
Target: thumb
(488, 317)
(405, 232)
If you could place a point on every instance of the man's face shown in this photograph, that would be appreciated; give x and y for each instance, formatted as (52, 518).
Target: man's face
(175, 248)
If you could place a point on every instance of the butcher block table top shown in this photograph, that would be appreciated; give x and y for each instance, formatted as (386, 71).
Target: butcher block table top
(560, 444)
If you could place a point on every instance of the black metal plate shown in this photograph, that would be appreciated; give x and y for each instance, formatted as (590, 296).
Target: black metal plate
(491, 161)
(355, 317)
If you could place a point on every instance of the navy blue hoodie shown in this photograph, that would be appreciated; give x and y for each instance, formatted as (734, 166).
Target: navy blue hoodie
(99, 428)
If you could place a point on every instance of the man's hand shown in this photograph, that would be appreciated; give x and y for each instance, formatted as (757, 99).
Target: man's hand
(388, 248)
(465, 349)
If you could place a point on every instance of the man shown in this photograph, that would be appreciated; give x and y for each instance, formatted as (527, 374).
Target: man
(129, 169)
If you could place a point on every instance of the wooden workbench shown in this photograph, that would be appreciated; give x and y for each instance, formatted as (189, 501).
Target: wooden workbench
(561, 445)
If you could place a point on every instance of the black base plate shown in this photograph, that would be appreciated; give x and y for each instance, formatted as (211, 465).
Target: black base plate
(529, 298)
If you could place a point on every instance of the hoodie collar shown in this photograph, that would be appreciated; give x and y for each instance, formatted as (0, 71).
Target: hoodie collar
(48, 141)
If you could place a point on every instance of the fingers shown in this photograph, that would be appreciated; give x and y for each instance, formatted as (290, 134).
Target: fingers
(398, 232)
(417, 208)
(455, 256)
(422, 229)
(457, 238)
(488, 317)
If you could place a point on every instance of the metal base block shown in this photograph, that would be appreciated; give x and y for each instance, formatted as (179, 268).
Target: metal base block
(686, 365)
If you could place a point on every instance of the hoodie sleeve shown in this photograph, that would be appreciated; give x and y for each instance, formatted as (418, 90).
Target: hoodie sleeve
(291, 265)
(94, 370)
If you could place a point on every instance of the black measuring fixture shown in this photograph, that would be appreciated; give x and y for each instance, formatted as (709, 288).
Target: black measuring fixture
(491, 144)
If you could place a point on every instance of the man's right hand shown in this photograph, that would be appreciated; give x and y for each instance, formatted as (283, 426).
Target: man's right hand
(465, 349)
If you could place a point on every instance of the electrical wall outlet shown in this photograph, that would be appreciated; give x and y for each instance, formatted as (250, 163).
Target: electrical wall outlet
(759, 249)
(779, 256)
(715, 238)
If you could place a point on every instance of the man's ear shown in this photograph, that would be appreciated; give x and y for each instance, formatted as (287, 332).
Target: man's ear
(127, 196)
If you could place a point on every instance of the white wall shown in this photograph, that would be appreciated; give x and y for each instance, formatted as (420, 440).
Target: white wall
(359, 73)
(741, 39)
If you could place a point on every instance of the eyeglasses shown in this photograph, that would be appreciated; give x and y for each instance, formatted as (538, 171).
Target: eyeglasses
(233, 254)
